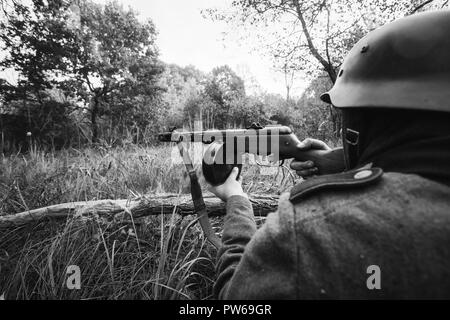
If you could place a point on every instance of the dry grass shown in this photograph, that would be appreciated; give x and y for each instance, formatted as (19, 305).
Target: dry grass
(163, 257)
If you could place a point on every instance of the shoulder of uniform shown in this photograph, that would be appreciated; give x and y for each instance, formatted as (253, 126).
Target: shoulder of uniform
(344, 180)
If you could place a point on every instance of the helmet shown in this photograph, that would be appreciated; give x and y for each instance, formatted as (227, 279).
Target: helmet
(404, 64)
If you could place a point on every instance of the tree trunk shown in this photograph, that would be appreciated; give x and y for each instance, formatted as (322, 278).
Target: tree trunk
(331, 73)
(312, 48)
(121, 209)
(94, 114)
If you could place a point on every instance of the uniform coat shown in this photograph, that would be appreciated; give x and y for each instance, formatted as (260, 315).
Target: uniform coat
(322, 246)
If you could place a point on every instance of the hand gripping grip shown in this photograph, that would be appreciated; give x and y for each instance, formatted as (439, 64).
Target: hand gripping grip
(216, 166)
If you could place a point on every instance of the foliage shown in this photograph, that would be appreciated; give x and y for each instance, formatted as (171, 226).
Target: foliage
(225, 89)
(313, 36)
(182, 87)
(159, 257)
(116, 60)
(313, 118)
(101, 56)
(37, 43)
(217, 98)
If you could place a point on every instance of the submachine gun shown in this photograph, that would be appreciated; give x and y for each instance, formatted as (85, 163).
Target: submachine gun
(226, 149)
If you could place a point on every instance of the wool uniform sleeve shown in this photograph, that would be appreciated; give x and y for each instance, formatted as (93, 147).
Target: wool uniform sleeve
(239, 227)
(257, 264)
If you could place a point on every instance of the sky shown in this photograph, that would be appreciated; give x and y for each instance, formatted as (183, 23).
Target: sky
(185, 37)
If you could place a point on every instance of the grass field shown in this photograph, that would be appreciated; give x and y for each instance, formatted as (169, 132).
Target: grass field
(159, 257)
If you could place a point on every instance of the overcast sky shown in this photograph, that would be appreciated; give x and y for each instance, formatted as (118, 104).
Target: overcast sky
(185, 37)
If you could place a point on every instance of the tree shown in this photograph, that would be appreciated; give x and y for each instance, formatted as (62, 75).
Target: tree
(278, 109)
(184, 86)
(225, 89)
(96, 54)
(255, 111)
(314, 36)
(312, 118)
(200, 108)
(36, 43)
(117, 55)
(137, 103)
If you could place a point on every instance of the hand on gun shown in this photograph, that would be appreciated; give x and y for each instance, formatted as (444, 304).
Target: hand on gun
(310, 156)
(306, 169)
(231, 187)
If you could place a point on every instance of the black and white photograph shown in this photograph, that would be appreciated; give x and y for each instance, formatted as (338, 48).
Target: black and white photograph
(208, 150)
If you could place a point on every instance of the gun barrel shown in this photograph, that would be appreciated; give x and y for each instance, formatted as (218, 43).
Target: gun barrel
(209, 136)
(192, 136)
(165, 137)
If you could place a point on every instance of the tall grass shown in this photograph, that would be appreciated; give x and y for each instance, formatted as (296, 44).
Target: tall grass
(160, 257)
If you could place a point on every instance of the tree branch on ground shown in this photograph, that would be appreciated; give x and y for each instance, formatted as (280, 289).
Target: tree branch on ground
(146, 206)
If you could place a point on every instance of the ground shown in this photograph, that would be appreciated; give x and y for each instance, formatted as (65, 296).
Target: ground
(159, 257)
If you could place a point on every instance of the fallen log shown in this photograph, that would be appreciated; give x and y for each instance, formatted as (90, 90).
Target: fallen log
(145, 206)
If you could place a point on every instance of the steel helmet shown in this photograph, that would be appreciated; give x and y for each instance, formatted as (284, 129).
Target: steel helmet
(404, 64)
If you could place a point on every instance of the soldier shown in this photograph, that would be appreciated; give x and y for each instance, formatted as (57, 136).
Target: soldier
(380, 229)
